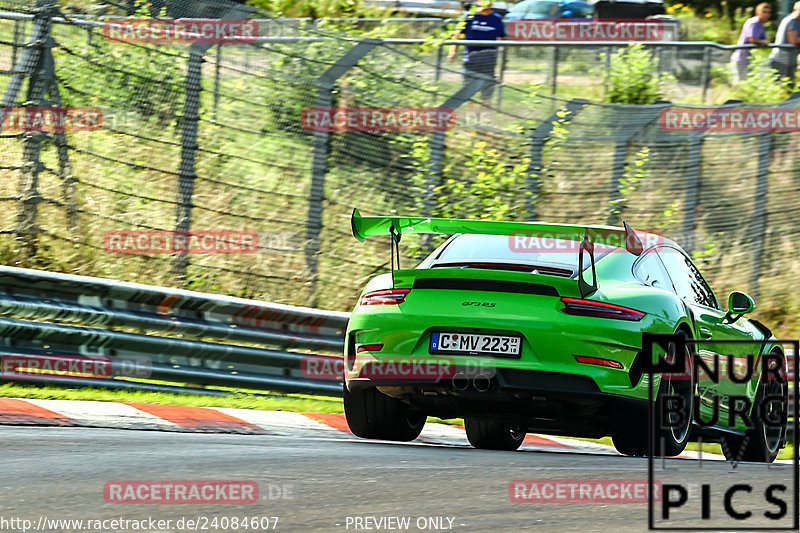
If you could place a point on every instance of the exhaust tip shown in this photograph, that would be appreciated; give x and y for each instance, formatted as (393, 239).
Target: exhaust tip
(460, 381)
(482, 383)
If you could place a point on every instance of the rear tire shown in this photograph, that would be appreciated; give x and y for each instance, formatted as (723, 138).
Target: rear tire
(371, 414)
(493, 434)
(632, 439)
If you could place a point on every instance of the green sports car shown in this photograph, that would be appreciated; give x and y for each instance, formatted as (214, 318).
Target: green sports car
(532, 327)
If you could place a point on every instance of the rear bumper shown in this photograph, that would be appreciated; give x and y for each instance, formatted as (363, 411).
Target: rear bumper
(545, 402)
(504, 380)
(551, 342)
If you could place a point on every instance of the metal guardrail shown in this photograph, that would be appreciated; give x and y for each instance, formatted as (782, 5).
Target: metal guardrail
(186, 337)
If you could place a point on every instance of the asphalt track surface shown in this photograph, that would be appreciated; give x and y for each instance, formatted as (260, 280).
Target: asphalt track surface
(60, 473)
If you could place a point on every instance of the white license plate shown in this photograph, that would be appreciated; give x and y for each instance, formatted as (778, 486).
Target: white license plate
(475, 343)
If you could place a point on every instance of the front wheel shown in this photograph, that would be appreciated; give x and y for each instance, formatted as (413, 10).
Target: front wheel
(762, 441)
(493, 434)
(371, 414)
(674, 409)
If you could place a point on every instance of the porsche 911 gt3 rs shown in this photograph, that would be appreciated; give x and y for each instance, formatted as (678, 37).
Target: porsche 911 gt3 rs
(532, 327)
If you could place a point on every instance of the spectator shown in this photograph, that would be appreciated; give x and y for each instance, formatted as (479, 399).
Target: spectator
(784, 60)
(753, 32)
(484, 25)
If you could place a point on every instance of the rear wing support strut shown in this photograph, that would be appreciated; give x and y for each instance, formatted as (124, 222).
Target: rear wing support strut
(586, 246)
(394, 247)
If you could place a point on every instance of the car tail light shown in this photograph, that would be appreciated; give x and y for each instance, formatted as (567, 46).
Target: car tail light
(598, 361)
(580, 307)
(385, 297)
(370, 348)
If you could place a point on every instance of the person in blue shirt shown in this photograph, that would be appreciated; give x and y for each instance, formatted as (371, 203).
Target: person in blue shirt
(483, 25)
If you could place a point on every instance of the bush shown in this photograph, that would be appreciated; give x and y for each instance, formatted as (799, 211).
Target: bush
(762, 83)
(315, 8)
(631, 78)
(720, 76)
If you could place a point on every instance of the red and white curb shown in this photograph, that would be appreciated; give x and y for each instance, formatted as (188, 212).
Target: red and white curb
(159, 417)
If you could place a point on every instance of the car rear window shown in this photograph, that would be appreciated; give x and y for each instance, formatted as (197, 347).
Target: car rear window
(562, 253)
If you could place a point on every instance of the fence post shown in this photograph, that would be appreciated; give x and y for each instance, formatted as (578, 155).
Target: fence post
(539, 137)
(36, 64)
(758, 224)
(659, 59)
(319, 165)
(553, 71)
(690, 199)
(693, 161)
(189, 120)
(501, 75)
(29, 63)
(216, 79)
(642, 119)
(437, 146)
(186, 170)
(706, 75)
(439, 54)
(17, 38)
(68, 180)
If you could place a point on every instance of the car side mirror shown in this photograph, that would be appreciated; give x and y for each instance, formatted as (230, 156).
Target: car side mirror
(739, 303)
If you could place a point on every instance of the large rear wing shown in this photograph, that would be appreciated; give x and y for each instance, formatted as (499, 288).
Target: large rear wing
(624, 237)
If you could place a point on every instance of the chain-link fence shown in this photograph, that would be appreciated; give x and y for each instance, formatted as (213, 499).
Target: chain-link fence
(209, 137)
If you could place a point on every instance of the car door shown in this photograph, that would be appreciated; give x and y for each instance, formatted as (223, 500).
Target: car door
(713, 327)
